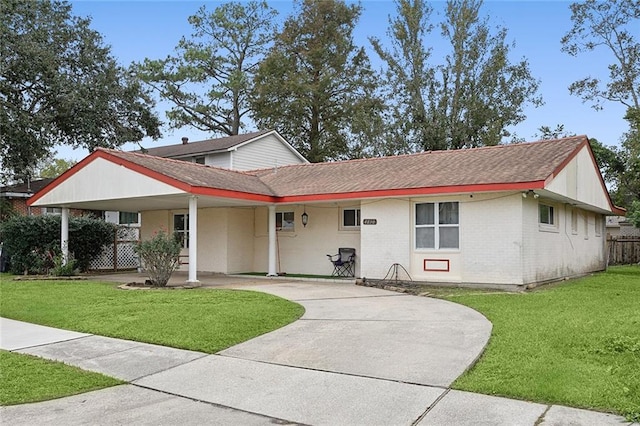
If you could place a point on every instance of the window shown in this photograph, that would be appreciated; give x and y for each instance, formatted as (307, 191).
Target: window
(598, 225)
(437, 226)
(547, 215)
(285, 221)
(199, 160)
(181, 229)
(51, 210)
(350, 219)
(574, 221)
(128, 218)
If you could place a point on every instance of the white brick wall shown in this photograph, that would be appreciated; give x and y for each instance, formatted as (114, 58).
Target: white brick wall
(387, 242)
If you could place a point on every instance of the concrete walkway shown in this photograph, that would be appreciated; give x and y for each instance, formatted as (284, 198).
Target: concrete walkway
(358, 356)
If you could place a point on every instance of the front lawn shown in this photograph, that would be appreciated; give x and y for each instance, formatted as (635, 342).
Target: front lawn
(203, 320)
(575, 344)
(27, 378)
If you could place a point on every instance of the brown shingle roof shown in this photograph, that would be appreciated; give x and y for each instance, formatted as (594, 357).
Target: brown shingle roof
(194, 174)
(503, 164)
(202, 147)
(31, 188)
(525, 162)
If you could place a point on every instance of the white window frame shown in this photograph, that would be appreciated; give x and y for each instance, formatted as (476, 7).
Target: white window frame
(358, 218)
(184, 233)
(136, 223)
(552, 213)
(290, 224)
(436, 227)
(51, 211)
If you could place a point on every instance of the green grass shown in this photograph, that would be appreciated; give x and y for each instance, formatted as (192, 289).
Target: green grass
(575, 344)
(201, 319)
(27, 378)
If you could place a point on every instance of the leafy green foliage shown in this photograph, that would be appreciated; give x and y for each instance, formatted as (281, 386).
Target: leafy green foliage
(210, 77)
(59, 84)
(33, 241)
(573, 344)
(471, 98)
(314, 81)
(6, 209)
(27, 378)
(160, 256)
(52, 168)
(613, 26)
(203, 320)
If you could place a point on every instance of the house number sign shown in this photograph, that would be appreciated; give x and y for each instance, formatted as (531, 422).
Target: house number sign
(369, 221)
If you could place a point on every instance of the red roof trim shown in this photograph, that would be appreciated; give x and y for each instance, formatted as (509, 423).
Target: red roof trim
(490, 187)
(225, 193)
(615, 209)
(63, 177)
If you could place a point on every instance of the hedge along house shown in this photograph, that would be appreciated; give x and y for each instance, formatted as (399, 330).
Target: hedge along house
(509, 215)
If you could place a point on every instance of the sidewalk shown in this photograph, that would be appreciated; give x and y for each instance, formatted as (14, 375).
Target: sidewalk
(271, 380)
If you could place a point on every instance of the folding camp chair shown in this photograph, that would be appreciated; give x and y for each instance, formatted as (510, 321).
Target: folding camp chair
(343, 262)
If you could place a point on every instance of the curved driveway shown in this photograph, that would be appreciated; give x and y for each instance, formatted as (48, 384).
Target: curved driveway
(359, 355)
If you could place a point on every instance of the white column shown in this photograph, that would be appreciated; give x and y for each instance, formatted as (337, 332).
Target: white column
(64, 235)
(193, 239)
(272, 242)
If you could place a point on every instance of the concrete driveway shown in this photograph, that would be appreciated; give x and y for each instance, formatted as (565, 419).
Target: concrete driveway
(358, 356)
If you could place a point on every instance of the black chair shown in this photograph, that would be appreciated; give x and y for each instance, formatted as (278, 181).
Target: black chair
(343, 262)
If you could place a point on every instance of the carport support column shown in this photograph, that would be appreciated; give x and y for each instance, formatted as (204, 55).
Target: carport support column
(64, 234)
(193, 239)
(272, 242)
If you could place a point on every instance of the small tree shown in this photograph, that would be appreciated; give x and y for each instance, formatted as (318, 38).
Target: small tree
(160, 257)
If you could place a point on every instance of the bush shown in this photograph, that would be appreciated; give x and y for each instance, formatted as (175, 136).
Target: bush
(160, 256)
(33, 242)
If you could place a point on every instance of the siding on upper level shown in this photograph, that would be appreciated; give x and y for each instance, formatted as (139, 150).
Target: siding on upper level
(264, 153)
(221, 159)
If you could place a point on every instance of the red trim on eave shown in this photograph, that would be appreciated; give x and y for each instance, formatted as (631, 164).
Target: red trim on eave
(615, 209)
(63, 177)
(152, 174)
(489, 187)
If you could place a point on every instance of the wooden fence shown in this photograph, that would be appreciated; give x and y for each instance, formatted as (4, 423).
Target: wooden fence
(624, 250)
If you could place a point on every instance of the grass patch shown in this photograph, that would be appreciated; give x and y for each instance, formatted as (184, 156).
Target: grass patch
(27, 378)
(576, 344)
(206, 320)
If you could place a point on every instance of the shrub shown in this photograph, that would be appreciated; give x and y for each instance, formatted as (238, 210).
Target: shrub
(32, 242)
(160, 256)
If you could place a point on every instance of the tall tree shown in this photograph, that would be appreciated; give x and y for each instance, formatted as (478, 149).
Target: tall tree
(210, 78)
(611, 26)
(315, 79)
(471, 98)
(59, 84)
(410, 79)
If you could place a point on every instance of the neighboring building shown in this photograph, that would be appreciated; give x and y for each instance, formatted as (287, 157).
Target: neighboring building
(18, 194)
(496, 216)
(619, 227)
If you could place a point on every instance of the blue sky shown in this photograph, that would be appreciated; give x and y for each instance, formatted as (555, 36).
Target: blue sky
(141, 29)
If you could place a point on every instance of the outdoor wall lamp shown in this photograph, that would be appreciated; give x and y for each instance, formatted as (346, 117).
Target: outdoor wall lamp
(530, 192)
(305, 218)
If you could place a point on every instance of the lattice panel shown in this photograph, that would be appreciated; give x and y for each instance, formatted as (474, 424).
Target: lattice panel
(124, 256)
